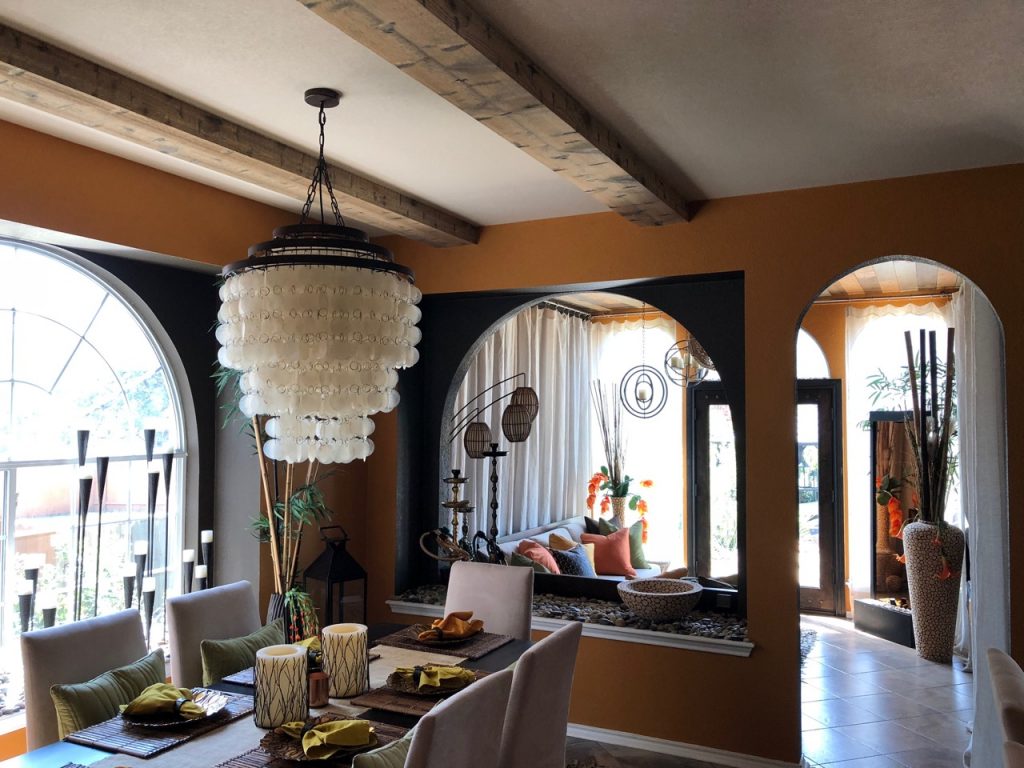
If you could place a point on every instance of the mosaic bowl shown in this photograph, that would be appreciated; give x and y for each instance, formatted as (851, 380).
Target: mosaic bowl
(660, 599)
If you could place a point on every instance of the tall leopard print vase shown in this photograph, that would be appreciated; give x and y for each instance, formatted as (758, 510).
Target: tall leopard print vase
(933, 600)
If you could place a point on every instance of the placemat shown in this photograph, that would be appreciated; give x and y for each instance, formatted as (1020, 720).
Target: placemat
(472, 648)
(403, 703)
(257, 758)
(115, 735)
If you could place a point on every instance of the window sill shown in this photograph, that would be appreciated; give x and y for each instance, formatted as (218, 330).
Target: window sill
(622, 634)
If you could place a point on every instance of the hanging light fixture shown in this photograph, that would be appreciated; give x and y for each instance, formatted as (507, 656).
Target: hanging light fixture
(686, 362)
(318, 320)
(642, 390)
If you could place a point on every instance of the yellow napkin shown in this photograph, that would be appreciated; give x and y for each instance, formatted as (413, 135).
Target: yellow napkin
(455, 625)
(437, 676)
(322, 741)
(160, 699)
(311, 643)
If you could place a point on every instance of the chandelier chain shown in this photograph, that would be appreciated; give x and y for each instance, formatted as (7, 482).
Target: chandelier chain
(321, 178)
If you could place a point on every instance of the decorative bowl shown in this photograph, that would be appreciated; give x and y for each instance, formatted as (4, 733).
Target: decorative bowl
(660, 599)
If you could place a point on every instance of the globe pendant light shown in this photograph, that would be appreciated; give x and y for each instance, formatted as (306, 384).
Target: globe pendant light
(642, 390)
(318, 320)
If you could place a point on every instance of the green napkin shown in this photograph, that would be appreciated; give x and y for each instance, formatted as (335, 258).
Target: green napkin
(322, 741)
(161, 699)
(437, 676)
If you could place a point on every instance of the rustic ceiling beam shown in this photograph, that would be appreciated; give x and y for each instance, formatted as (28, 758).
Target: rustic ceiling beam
(47, 78)
(451, 49)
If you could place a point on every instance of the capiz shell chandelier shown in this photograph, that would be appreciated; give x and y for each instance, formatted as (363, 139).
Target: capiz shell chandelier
(318, 320)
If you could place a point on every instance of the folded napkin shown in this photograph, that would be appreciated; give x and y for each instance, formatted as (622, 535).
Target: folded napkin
(454, 626)
(430, 675)
(163, 699)
(322, 741)
(311, 643)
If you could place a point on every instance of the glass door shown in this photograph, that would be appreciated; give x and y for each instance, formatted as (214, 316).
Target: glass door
(819, 503)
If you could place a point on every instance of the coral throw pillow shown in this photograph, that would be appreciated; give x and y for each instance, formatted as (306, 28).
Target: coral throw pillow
(611, 553)
(539, 554)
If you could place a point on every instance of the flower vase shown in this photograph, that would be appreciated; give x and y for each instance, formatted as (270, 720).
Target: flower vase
(277, 608)
(619, 511)
(934, 591)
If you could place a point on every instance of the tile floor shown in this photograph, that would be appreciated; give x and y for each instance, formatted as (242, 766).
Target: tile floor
(868, 703)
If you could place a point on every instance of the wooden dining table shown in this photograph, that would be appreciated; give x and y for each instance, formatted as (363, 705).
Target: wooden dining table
(242, 735)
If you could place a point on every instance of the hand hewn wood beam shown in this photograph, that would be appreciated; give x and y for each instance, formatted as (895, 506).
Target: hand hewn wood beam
(451, 49)
(61, 83)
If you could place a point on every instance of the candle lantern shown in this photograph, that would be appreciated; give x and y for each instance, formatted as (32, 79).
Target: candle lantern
(329, 573)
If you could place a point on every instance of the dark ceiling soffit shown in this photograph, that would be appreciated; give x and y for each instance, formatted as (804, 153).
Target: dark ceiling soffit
(446, 46)
(58, 82)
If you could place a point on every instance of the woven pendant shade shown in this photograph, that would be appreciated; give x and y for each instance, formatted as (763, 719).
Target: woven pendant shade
(516, 423)
(526, 397)
(477, 439)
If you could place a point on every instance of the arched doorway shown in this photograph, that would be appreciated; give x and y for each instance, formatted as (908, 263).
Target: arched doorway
(853, 318)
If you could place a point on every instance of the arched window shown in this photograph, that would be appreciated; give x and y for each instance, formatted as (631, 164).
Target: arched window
(74, 355)
(810, 360)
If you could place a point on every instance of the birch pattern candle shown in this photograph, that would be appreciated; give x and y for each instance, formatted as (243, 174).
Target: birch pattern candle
(346, 659)
(281, 692)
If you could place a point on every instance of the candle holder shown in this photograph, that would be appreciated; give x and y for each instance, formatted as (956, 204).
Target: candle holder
(128, 580)
(25, 610)
(148, 601)
(141, 554)
(49, 617)
(152, 486)
(149, 436)
(32, 574)
(102, 464)
(494, 553)
(188, 563)
(168, 460)
(206, 547)
(83, 445)
(201, 577)
(84, 492)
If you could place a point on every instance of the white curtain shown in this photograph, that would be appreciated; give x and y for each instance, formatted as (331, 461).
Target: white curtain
(874, 341)
(544, 478)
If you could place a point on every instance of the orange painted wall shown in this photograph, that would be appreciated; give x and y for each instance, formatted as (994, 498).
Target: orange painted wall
(790, 245)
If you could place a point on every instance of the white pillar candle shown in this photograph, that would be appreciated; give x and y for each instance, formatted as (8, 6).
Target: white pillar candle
(281, 692)
(140, 548)
(25, 586)
(205, 537)
(200, 572)
(34, 560)
(84, 474)
(188, 556)
(46, 600)
(153, 467)
(149, 584)
(129, 570)
(346, 659)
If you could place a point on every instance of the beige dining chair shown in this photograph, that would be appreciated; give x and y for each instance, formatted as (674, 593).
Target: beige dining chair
(500, 595)
(218, 613)
(538, 709)
(1007, 680)
(1013, 754)
(73, 653)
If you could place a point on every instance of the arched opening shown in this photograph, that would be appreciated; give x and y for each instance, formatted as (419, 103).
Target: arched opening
(865, 669)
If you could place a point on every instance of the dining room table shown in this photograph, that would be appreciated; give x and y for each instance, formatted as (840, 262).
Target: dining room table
(236, 742)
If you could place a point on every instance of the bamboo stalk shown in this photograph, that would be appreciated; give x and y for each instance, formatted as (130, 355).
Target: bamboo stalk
(289, 475)
(265, 483)
(947, 425)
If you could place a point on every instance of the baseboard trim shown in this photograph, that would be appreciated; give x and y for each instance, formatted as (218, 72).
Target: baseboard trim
(676, 748)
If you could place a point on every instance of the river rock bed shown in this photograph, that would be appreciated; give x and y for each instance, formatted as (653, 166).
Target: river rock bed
(612, 614)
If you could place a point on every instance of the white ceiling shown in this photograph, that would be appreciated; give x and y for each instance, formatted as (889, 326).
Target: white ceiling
(725, 97)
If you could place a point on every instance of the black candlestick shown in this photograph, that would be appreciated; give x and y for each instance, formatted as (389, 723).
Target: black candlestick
(49, 617)
(25, 610)
(154, 484)
(494, 553)
(140, 572)
(168, 459)
(129, 590)
(32, 574)
(83, 444)
(148, 599)
(102, 464)
(84, 492)
(187, 570)
(149, 435)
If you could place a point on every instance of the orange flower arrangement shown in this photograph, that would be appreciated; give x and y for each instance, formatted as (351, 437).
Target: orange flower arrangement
(600, 482)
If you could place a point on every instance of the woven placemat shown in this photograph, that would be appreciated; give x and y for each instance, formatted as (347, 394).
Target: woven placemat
(257, 758)
(471, 648)
(245, 677)
(115, 735)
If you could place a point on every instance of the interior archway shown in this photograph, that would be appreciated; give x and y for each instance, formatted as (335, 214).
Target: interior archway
(871, 303)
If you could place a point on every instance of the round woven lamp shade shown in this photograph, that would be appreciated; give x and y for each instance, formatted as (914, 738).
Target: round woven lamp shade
(477, 439)
(516, 423)
(526, 397)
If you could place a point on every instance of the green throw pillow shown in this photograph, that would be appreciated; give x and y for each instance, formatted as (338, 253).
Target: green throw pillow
(225, 657)
(389, 756)
(636, 541)
(517, 559)
(80, 705)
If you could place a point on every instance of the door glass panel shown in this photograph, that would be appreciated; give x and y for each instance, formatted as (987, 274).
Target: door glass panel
(809, 491)
(722, 488)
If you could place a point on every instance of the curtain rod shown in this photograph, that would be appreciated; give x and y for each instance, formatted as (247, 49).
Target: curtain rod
(571, 311)
(890, 298)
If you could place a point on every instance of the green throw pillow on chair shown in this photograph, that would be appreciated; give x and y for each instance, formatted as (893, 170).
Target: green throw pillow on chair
(389, 756)
(516, 559)
(636, 541)
(80, 705)
(225, 657)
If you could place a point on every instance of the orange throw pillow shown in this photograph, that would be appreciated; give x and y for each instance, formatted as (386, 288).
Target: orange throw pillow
(611, 553)
(539, 553)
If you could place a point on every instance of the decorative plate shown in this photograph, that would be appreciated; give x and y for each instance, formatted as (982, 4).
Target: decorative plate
(282, 746)
(402, 684)
(212, 702)
(440, 641)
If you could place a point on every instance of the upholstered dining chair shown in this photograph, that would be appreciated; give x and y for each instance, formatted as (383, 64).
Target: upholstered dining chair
(538, 709)
(1008, 690)
(73, 653)
(500, 595)
(1013, 754)
(218, 613)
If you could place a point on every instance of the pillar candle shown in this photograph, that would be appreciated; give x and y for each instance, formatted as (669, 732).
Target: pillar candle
(200, 574)
(281, 693)
(346, 659)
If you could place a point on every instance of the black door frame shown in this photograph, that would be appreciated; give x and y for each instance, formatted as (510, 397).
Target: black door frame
(830, 511)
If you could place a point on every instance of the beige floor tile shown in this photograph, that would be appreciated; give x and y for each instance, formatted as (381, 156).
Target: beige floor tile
(886, 737)
(828, 746)
(877, 761)
(942, 728)
(844, 686)
(813, 692)
(891, 706)
(929, 757)
(837, 712)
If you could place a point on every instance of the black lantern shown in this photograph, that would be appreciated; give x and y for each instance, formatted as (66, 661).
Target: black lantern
(332, 569)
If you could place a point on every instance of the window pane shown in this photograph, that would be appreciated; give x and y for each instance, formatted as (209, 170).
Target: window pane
(722, 481)
(47, 286)
(809, 494)
(810, 360)
(41, 349)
